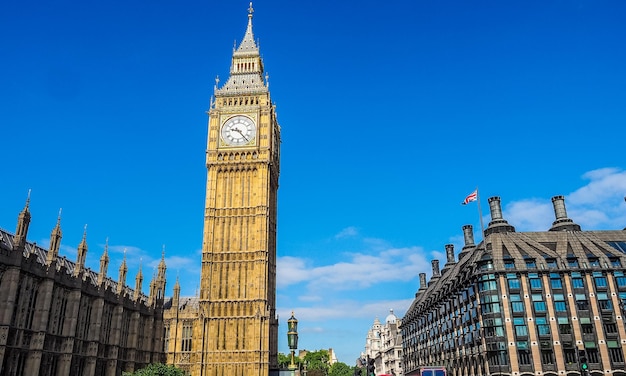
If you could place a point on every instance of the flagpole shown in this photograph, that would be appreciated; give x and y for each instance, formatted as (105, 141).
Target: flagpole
(480, 215)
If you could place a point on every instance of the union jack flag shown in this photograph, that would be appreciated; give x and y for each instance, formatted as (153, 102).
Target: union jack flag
(471, 197)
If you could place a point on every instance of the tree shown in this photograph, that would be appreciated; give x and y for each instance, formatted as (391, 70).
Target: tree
(340, 369)
(157, 369)
(283, 360)
(317, 362)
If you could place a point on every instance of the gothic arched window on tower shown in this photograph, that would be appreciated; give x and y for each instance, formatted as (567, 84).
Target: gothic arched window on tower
(187, 336)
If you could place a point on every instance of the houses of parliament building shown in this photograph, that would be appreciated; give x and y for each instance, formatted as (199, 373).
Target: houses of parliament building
(59, 318)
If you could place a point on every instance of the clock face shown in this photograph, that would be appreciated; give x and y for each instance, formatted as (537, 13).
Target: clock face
(239, 131)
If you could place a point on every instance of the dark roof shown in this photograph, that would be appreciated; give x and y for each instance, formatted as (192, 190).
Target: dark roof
(602, 247)
(62, 263)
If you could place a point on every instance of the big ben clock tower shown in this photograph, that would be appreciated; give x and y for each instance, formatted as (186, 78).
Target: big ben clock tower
(237, 303)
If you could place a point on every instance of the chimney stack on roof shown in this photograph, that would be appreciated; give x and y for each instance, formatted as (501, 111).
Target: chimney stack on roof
(436, 272)
(468, 236)
(497, 224)
(562, 223)
(450, 253)
(423, 284)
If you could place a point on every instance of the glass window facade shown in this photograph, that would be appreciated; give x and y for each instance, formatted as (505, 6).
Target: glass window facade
(525, 308)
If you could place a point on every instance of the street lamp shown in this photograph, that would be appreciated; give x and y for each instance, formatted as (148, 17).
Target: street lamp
(292, 339)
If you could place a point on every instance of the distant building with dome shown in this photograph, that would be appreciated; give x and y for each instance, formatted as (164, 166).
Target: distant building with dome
(384, 345)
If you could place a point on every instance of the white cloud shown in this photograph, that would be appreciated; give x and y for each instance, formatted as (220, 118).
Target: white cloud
(347, 288)
(183, 264)
(438, 255)
(68, 251)
(376, 244)
(310, 298)
(313, 329)
(600, 204)
(605, 185)
(291, 270)
(530, 214)
(347, 308)
(129, 250)
(597, 205)
(356, 271)
(65, 250)
(347, 232)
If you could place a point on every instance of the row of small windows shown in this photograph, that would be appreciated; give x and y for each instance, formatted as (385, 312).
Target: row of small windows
(462, 303)
(498, 356)
(455, 311)
(453, 321)
(246, 66)
(240, 101)
(560, 305)
(498, 353)
(493, 326)
(488, 282)
(551, 263)
(448, 329)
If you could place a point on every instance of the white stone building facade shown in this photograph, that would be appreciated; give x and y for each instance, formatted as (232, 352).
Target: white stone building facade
(384, 345)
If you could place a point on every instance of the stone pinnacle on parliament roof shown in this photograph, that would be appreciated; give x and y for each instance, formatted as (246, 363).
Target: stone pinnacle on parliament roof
(162, 264)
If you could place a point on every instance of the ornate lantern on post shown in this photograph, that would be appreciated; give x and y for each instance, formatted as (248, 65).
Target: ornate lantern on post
(292, 338)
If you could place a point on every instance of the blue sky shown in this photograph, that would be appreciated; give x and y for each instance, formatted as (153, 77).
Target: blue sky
(391, 113)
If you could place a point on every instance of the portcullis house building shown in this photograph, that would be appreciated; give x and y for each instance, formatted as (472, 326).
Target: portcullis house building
(523, 303)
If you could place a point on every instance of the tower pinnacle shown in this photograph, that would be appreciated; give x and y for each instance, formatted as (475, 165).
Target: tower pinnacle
(161, 266)
(23, 220)
(55, 241)
(246, 69)
(82, 254)
(138, 282)
(122, 275)
(247, 44)
(104, 263)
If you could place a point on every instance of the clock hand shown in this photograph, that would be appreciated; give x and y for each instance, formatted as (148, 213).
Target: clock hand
(241, 133)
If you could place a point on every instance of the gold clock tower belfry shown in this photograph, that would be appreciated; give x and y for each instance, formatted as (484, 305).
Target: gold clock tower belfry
(237, 302)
